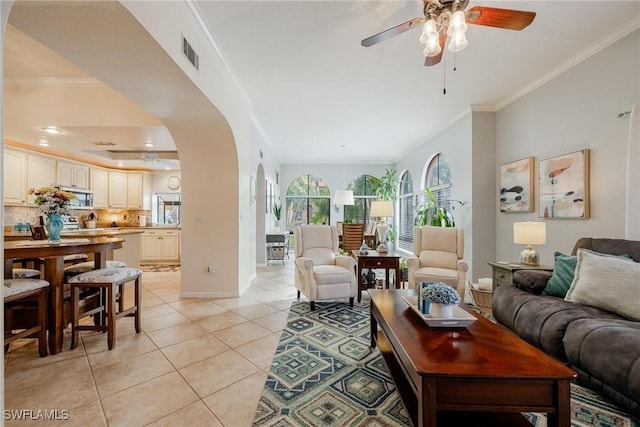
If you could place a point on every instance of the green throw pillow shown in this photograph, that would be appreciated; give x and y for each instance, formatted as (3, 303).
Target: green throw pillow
(564, 268)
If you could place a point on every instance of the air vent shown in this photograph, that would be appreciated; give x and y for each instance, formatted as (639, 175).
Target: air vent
(191, 54)
(103, 143)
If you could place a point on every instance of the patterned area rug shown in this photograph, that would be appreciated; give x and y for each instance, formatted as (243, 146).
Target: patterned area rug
(160, 268)
(325, 374)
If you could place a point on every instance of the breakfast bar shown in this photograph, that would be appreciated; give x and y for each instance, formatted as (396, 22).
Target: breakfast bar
(53, 253)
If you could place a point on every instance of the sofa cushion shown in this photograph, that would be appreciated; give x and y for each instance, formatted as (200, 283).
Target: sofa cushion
(532, 281)
(331, 274)
(609, 350)
(564, 267)
(541, 320)
(608, 282)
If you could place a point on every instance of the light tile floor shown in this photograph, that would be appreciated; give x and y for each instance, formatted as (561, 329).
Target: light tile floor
(198, 362)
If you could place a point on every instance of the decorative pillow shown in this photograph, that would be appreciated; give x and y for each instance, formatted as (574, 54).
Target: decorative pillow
(564, 267)
(608, 282)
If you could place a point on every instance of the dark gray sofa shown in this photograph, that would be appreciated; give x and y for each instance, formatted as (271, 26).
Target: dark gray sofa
(601, 346)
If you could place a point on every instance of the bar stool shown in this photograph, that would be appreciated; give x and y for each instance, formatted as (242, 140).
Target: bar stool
(84, 267)
(108, 281)
(17, 291)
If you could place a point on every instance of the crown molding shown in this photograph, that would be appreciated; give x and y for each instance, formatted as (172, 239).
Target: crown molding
(576, 59)
(52, 81)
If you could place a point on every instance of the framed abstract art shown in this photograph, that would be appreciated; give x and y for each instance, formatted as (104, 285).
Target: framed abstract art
(516, 186)
(563, 186)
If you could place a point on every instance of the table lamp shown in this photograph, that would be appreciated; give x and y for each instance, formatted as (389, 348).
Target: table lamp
(382, 209)
(529, 233)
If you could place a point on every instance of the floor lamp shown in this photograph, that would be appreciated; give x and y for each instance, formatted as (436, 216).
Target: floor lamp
(382, 209)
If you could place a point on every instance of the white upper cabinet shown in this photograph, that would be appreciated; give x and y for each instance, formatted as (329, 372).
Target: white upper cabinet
(118, 190)
(135, 195)
(41, 172)
(73, 175)
(15, 177)
(99, 184)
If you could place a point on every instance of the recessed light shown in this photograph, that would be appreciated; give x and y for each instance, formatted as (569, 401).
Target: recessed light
(52, 130)
(120, 163)
(43, 143)
(149, 144)
(168, 168)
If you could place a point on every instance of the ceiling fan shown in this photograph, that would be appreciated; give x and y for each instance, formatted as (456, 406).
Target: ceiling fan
(447, 18)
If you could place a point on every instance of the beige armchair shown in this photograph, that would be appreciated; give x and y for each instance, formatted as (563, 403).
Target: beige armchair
(320, 273)
(438, 253)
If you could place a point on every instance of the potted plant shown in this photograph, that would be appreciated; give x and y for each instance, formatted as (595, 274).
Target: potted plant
(429, 213)
(277, 212)
(389, 186)
(441, 297)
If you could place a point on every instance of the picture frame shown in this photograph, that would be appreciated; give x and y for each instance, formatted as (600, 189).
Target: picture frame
(252, 190)
(516, 186)
(563, 186)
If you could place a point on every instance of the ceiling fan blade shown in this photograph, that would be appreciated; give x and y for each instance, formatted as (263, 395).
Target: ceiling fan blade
(433, 60)
(500, 18)
(393, 31)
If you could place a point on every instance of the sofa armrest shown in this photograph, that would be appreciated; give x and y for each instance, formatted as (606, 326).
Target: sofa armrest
(532, 281)
(346, 261)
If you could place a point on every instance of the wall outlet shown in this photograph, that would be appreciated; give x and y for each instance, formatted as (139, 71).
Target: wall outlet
(211, 269)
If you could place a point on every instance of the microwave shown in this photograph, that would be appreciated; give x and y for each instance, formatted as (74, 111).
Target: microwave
(83, 200)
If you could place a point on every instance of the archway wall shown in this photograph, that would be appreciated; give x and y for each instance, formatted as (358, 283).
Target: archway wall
(134, 47)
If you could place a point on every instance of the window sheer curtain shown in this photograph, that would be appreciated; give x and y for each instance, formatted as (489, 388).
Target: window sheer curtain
(632, 222)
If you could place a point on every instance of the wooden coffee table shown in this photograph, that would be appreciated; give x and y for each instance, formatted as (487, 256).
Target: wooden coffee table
(478, 375)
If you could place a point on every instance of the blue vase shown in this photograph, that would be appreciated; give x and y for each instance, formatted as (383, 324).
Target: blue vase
(54, 226)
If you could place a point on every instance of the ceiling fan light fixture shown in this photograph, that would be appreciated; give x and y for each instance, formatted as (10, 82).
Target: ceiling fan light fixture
(457, 23)
(458, 41)
(432, 47)
(429, 31)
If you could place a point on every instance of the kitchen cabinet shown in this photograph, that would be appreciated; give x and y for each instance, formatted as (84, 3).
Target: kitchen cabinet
(15, 177)
(41, 172)
(118, 190)
(72, 175)
(135, 195)
(99, 184)
(161, 245)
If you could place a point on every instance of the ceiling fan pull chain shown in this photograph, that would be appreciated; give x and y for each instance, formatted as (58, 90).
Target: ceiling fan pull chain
(444, 76)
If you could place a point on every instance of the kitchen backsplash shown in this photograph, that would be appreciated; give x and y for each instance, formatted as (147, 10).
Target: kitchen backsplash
(122, 217)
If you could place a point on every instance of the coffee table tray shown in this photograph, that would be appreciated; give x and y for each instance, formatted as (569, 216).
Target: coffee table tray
(460, 319)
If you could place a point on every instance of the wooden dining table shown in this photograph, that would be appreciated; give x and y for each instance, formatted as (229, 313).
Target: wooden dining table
(53, 254)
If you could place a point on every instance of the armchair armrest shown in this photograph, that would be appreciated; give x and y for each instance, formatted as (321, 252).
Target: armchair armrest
(303, 264)
(413, 264)
(532, 281)
(463, 267)
(346, 261)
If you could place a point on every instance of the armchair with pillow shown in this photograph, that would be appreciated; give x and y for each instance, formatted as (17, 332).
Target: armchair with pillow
(320, 273)
(438, 253)
(586, 314)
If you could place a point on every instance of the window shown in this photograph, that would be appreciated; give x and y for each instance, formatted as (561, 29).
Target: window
(438, 180)
(308, 202)
(363, 188)
(405, 212)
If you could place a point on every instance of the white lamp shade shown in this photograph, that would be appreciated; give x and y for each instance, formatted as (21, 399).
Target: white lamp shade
(530, 233)
(381, 208)
(343, 197)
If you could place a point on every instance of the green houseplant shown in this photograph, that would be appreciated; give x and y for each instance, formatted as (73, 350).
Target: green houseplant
(277, 213)
(440, 217)
(389, 186)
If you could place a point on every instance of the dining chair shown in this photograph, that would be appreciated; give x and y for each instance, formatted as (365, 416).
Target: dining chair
(352, 237)
(20, 295)
(108, 281)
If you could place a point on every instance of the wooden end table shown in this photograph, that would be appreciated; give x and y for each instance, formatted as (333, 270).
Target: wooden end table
(375, 259)
(502, 272)
(481, 375)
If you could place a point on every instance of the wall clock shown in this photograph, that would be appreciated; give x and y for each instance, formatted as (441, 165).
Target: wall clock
(173, 182)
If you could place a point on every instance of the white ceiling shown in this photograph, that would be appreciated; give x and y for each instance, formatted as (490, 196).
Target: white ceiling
(311, 83)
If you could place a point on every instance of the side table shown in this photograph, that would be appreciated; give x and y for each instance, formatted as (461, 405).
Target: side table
(375, 259)
(502, 273)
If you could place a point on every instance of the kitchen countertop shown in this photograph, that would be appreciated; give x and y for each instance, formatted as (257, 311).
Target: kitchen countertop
(84, 232)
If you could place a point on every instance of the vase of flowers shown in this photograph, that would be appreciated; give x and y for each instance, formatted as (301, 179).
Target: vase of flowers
(441, 298)
(53, 203)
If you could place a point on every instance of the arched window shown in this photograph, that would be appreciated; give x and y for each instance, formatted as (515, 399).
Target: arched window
(363, 188)
(438, 180)
(308, 201)
(405, 212)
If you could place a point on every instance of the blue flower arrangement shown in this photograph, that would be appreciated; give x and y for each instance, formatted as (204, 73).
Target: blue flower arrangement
(440, 293)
